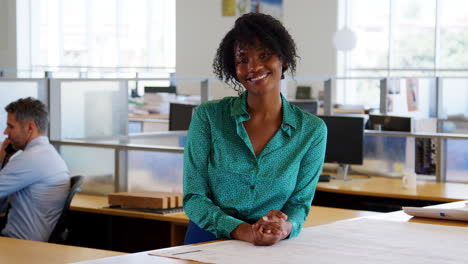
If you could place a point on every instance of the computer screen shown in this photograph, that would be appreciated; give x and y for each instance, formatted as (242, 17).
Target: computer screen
(160, 89)
(303, 92)
(345, 139)
(306, 105)
(389, 123)
(180, 116)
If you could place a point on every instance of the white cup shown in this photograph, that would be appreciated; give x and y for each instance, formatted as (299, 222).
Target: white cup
(409, 180)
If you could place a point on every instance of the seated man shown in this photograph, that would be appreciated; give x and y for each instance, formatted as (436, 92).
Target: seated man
(35, 181)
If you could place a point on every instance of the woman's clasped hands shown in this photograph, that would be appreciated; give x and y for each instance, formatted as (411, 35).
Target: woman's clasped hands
(267, 231)
(271, 228)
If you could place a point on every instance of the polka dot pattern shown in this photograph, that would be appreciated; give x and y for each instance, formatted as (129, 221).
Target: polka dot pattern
(226, 184)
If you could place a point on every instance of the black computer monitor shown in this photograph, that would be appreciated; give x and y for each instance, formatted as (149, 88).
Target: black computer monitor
(160, 89)
(307, 105)
(303, 92)
(180, 116)
(345, 141)
(389, 123)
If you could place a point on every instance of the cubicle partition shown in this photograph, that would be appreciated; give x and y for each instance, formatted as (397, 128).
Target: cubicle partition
(154, 162)
(144, 162)
(81, 108)
(453, 110)
(13, 89)
(390, 154)
(358, 91)
(413, 97)
(96, 111)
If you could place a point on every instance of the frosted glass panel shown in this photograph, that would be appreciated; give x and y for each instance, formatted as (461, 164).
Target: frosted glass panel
(92, 109)
(412, 97)
(155, 171)
(95, 164)
(171, 139)
(135, 126)
(457, 160)
(12, 91)
(454, 96)
(360, 92)
(160, 140)
(455, 126)
(386, 156)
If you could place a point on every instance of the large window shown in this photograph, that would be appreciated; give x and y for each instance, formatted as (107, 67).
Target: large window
(412, 38)
(103, 35)
(408, 37)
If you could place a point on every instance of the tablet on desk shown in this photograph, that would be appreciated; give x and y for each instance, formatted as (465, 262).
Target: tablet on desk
(460, 214)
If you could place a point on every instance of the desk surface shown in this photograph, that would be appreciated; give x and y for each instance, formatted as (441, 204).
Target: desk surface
(143, 257)
(94, 204)
(17, 251)
(401, 216)
(318, 214)
(392, 188)
(178, 222)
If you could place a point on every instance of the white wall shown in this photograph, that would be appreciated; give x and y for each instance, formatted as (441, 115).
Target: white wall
(312, 23)
(200, 28)
(7, 34)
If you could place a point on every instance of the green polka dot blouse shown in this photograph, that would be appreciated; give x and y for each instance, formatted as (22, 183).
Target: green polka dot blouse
(226, 184)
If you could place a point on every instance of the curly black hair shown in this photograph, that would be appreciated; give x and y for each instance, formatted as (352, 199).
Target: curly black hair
(247, 29)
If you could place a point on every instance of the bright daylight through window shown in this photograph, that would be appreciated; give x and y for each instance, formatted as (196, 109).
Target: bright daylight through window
(405, 38)
(116, 36)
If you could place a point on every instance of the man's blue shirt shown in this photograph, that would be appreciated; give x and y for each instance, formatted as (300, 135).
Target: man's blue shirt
(36, 182)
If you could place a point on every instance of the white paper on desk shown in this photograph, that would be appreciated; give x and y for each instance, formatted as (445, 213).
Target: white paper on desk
(353, 241)
(460, 214)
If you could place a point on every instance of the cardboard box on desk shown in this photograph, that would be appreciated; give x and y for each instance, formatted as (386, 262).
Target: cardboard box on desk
(151, 200)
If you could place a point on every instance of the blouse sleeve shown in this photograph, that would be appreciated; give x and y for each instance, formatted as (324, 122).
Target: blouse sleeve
(198, 204)
(298, 206)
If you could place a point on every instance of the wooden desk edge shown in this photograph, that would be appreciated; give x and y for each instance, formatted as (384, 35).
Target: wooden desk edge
(14, 250)
(387, 195)
(89, 203)
(133, 214)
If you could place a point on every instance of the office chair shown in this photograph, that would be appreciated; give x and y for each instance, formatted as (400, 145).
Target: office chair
(60, 232)
(4, 216)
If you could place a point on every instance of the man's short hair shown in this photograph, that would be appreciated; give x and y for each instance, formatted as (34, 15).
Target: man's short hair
(30, 109)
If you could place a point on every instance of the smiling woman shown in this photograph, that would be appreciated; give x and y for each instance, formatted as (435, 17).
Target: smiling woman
(252, 162)
(258, 69)
(258, 31)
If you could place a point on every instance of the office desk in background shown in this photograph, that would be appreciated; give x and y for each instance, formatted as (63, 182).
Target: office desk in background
(133, 231)
(95, 205)
(17, 251)
(148, 123)
(110, 227)
(386, 194)
(400, 216)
